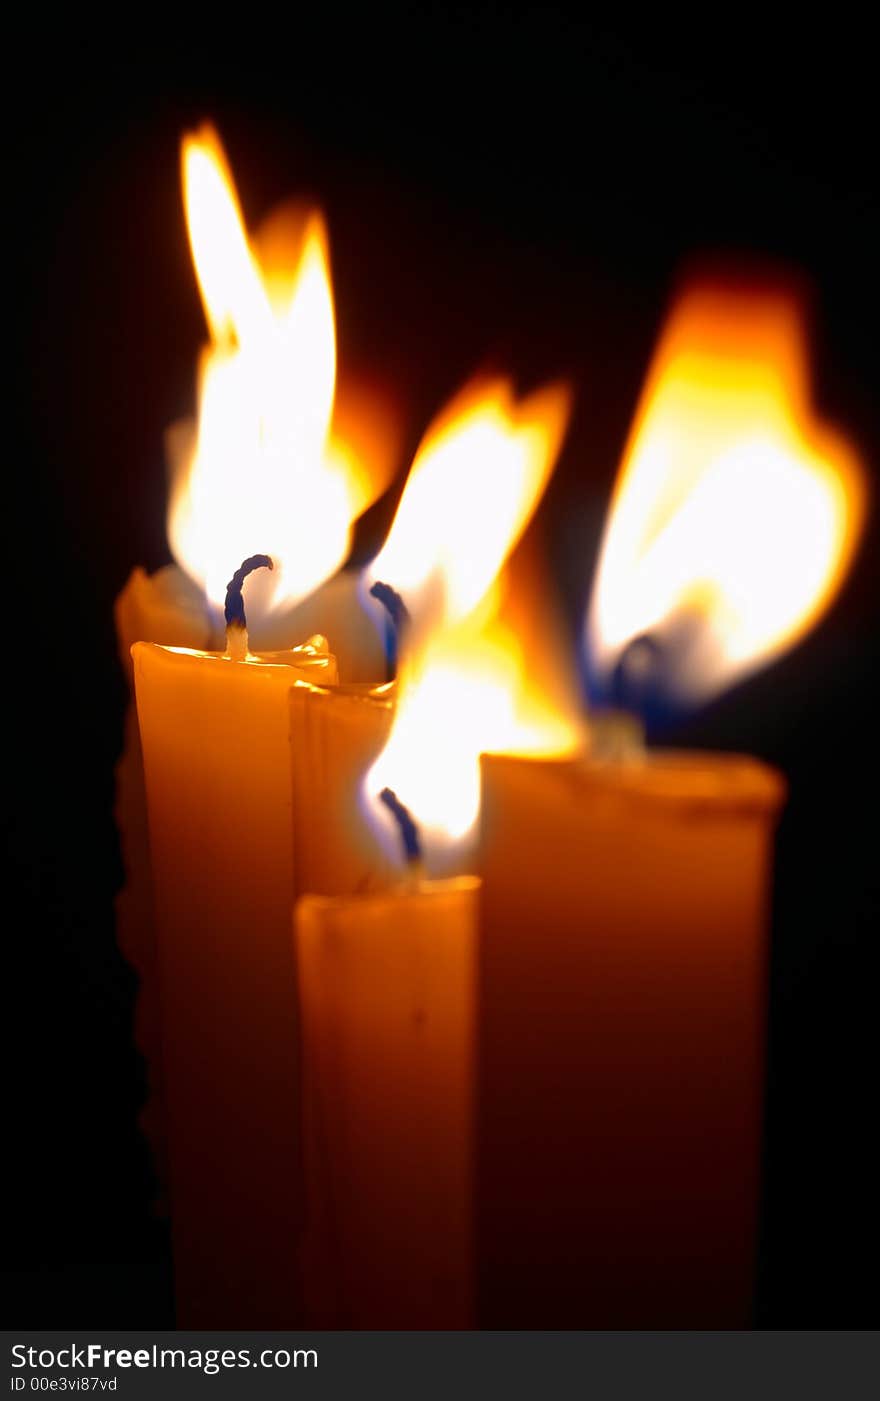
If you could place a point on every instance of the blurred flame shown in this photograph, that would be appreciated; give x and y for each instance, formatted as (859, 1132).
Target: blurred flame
(262, 471)
(478, 474)
(465, 687)
(736, 512)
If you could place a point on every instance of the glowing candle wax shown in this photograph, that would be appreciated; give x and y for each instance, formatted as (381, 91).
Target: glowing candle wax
(216, 748)
(387, 983)
(623, 969)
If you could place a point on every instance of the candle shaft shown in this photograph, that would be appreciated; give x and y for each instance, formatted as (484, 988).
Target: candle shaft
(623, 929)
(216, 750)
(388, 1009)
(164, 608)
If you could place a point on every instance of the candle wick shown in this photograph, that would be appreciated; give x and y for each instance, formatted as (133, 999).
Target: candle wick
(396, 624)
(617, 731)
(638, 670)
(409, 832)
(236, 622)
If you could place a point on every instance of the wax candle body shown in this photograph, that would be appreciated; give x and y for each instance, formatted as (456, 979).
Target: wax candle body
(336, 733)
(623, 919)
(216, 748)
(169, 608)
(387, 989)
(165, 607)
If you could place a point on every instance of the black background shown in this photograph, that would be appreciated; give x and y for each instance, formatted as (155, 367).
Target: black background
(511, 183)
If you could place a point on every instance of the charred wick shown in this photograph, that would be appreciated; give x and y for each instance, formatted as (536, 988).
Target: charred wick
(393, 604)
(397, 623)
(234, 607)
(409, 832)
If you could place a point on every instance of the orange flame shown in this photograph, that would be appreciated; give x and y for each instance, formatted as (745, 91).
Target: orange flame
(262, 471)
(736, 513)
(465, 687)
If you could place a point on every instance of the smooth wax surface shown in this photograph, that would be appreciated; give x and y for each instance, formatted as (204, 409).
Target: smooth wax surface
(622, 980)
(167, 608)
(388, 1024)
(336, 734)
(216, 746)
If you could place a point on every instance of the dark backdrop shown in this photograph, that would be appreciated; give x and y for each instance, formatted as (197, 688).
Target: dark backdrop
(501, 182)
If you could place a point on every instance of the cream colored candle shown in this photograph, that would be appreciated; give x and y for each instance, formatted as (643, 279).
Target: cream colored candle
(624, 911)
(279, 454)
(216, 746)
(387, 994)
(622, 983)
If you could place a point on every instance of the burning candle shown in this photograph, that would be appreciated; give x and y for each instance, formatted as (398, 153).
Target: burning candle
(623, 907)
(387, 983)
(622, 972)
(387, 979)
(215, 731)
(279, 458)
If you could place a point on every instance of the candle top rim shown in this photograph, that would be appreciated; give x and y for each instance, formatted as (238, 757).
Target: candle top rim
(422, 889)
(705, 778)
(381, 693)
(284, 659)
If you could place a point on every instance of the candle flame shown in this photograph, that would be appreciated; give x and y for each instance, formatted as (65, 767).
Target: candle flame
(736, 512)
(465, 686)
(262, 470)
